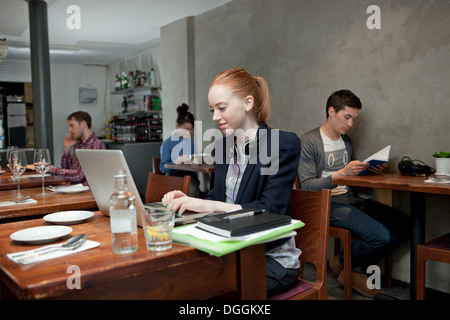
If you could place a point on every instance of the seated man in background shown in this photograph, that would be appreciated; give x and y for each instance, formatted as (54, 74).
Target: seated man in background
(80, 137)
(327, 153)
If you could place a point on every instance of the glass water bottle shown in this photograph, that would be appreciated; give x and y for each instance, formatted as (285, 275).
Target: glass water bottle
(122, 211)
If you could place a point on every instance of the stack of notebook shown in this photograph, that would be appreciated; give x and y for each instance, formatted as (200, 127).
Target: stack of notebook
(218, 235)
(242, 222)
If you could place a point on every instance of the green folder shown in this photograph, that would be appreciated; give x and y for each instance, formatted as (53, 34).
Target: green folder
(230, 245)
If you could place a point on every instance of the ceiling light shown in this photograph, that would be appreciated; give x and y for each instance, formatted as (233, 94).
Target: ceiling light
(54, 49)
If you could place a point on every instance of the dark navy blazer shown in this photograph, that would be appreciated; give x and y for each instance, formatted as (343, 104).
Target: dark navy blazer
(271, 191)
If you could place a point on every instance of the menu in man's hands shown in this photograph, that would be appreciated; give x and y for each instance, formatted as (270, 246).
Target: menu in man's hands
(380, 157)
(242, 222)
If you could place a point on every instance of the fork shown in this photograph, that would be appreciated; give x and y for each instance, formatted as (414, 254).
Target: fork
(74, 246)
(66, 244)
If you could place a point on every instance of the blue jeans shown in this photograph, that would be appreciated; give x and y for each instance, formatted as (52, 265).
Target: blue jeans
(379, 228)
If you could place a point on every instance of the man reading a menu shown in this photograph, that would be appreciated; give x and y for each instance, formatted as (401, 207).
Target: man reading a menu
(80, 137)
(326, 153)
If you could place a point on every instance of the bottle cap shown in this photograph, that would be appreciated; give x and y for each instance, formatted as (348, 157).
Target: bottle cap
(120, 174)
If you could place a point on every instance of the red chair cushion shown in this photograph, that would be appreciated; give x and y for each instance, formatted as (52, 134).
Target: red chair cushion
(297, 289)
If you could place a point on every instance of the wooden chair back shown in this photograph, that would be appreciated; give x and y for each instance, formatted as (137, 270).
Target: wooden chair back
(158, 185)
(313, 208)
(298, 184)
(437, 249)
(156, 161)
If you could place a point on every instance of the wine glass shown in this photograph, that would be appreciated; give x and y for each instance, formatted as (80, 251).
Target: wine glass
(42, 165)
(8, 158)
(18, 165)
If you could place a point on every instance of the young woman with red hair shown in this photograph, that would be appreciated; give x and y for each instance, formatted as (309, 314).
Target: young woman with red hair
(255, 166)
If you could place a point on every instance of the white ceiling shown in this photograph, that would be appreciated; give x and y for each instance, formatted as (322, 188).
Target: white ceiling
(109, 29)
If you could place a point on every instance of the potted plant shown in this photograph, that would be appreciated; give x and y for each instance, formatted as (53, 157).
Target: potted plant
(442, 162)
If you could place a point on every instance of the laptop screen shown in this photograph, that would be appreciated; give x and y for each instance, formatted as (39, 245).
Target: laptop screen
(99, 167)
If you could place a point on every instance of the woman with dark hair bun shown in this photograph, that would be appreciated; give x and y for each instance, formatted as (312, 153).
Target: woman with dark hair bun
(184, 116)
(179, 147)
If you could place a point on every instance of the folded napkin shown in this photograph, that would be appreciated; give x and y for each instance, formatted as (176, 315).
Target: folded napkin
(437, 180)
(11, 203)
(17, 256)
(69, 188)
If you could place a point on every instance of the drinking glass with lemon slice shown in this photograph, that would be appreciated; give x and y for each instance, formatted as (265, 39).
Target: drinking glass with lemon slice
(158, 226)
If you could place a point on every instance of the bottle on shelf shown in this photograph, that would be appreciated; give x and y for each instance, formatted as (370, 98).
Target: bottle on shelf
(124, 81)
(152, 77)
(140, 78)
(108, 131)
(131, 83)
(122, 210)
(117, 84)
(124, 104)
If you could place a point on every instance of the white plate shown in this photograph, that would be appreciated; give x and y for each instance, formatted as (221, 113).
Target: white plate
(40, 234)
(69, 189)
(68, 217)
(36, 176)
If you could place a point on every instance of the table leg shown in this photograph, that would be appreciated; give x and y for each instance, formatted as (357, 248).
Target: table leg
(417, 211)
(252, 264)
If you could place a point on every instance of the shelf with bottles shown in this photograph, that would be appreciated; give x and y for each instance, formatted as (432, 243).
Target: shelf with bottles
(135, 81)
(137, 88)
(132, 103)
(140, 113)
(142, 126)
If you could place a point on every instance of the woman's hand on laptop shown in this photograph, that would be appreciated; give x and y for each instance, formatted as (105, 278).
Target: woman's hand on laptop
(180, 202)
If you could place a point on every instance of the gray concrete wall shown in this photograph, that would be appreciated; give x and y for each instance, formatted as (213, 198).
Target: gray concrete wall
(307, 49)
(176, 71)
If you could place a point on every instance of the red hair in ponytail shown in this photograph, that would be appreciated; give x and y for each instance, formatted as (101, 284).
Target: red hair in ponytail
(244, 84)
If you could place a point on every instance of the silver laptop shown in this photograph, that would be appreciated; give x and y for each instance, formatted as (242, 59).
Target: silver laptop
(99, 167)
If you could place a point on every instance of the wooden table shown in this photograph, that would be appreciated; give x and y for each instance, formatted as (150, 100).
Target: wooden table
(7, 183)
(178, 273)
(45, 204)
(206, 168)
(418, 188)
(395, 181)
